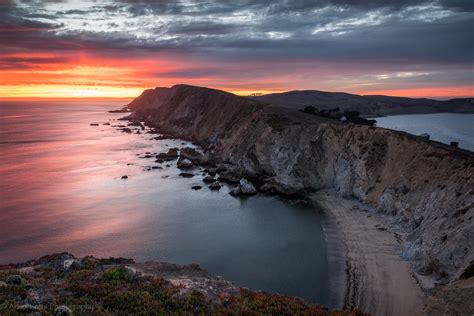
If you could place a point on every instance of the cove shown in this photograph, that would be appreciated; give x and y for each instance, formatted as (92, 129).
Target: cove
(62, 190)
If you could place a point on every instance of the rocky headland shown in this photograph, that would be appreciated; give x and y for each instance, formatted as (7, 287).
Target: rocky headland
(420, 190)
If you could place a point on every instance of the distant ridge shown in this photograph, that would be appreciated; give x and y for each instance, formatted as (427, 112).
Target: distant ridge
(370, 105)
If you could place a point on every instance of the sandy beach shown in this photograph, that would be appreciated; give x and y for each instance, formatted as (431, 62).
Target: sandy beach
(379, 281)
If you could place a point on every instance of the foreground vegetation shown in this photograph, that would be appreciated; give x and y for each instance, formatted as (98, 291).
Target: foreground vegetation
(109, 287)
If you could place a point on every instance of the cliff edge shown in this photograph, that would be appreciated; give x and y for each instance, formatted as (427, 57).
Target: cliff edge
(426, 187)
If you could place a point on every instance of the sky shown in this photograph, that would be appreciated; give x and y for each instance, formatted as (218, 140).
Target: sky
(74, 49)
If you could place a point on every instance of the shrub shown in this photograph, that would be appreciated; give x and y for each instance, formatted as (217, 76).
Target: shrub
(115, 274)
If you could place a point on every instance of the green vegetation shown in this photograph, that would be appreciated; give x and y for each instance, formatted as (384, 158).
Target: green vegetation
(336, 114)
(98, 288)
(115, 274)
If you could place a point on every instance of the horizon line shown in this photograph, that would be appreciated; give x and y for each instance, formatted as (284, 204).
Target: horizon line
(245, 93)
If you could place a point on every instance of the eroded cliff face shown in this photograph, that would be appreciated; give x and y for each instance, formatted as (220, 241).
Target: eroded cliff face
(426, 187)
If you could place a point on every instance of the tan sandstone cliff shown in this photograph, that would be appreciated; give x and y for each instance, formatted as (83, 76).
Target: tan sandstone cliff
(427, 187)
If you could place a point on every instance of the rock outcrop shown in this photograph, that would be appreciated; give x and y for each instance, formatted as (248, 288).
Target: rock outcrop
(184, 163)
(215, 186)
(172, 154)
(427, 187)
(244, 188)
(191, 154)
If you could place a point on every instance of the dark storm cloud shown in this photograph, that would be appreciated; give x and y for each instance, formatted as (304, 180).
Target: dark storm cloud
(17, 32)
(203, 27)
(287, 28)
(421, 34)
(287, 6)
(403, 41)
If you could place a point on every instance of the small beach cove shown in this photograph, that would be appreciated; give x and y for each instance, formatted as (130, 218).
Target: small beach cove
(378, 281)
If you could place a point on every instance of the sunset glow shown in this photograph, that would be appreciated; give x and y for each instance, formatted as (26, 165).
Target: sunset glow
(236, 157)
(117, 49)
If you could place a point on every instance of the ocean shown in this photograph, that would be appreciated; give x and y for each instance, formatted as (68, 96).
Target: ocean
(61, 189)
(442, 127)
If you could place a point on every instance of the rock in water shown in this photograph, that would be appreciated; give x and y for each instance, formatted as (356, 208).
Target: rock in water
(235, 191)
(123, 110)
(124, 177)
(184, 163)
(126, 130)
(146, 156)
(215, 186)
(212, 171)
(209, 179)
(191, 154)
(170, 155)
(229, 177)
(245, 187)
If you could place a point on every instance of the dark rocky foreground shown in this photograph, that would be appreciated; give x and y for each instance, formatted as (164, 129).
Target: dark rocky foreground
(426, 187)
(61, 284)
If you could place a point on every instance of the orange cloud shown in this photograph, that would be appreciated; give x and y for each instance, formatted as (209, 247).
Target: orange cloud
(39, 75)
(86, 75)
(44, 75)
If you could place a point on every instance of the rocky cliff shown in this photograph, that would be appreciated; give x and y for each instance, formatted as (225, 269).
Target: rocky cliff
(372, 105)
(427, 187)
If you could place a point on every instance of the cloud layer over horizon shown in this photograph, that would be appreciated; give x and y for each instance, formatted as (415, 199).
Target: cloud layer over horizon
(117, 48)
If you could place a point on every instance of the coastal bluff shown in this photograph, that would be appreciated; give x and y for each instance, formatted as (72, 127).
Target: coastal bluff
(425, 187)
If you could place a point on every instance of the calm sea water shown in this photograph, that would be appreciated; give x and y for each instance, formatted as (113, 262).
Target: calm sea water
(61, 190)
(442, 127)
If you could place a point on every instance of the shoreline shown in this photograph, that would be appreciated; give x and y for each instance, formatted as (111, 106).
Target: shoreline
(378, 280)
(412, 181)
(384, 168)
(369, 274)
(336, 246)
(336, 257)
